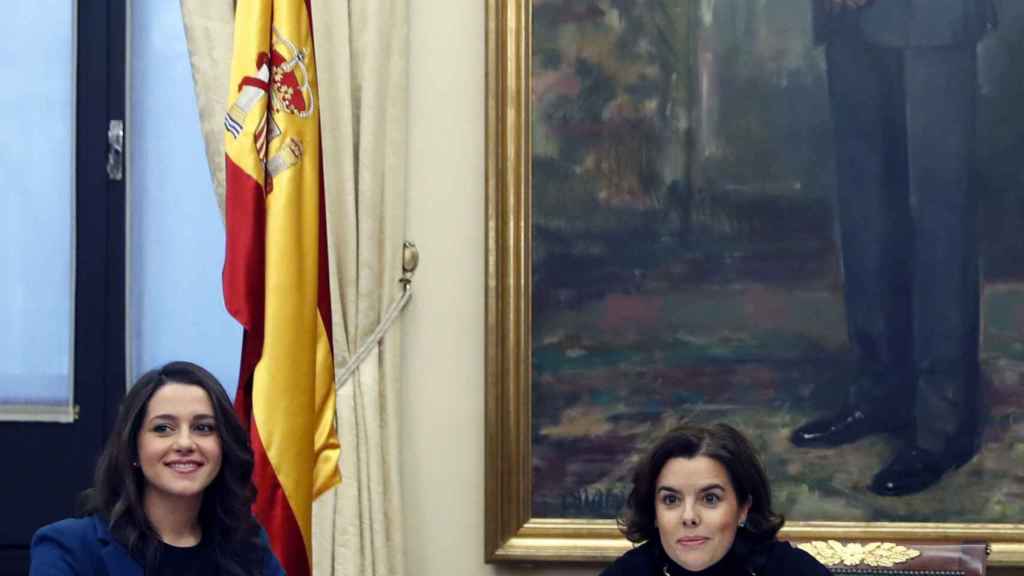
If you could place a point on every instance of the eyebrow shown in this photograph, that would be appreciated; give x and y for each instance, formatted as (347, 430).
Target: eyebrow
(175, 418)
(702, 490)
(711, 487)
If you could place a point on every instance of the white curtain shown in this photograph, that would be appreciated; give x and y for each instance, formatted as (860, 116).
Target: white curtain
(209, 29)
(362, 58)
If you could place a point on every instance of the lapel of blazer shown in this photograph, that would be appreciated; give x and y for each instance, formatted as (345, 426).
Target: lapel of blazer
(115, 557)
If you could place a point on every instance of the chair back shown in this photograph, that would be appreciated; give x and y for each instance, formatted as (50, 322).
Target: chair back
(906, 558)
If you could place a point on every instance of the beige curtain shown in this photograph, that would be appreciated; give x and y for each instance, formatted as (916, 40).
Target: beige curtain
(209, 30)
(361, 48)
(361, 51)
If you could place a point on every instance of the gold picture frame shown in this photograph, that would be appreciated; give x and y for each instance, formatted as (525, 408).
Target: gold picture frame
(512, 533)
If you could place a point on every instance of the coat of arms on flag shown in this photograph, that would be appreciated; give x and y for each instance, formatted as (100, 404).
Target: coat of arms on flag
(275, 270)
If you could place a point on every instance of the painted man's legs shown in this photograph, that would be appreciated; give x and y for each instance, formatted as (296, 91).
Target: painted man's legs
(941, 88)
(904, 133)
(869, 122)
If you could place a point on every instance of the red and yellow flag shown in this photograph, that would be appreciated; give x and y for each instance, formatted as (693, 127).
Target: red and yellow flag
(275, 270)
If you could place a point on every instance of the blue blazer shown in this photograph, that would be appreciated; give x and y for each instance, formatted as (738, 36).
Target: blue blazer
(85, 546)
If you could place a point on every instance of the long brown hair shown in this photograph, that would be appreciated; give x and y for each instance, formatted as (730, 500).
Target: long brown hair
(225, 514)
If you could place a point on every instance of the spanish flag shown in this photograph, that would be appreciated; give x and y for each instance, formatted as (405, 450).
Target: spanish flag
(275, 270)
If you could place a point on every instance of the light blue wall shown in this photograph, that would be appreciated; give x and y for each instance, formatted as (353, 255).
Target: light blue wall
(177, 238)
(176, 241)
(36, 156)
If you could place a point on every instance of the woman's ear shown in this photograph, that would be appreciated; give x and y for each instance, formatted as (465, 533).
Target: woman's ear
(744, 510)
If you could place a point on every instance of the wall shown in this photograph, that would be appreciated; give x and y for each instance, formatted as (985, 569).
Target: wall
(442, 451)
(443, 330)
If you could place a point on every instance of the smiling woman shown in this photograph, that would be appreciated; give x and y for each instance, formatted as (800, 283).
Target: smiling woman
(179, 452)
(701, 504)
(172, 493)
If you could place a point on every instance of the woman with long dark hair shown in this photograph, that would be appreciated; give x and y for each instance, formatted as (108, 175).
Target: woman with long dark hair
(172, 492)
(701, 504)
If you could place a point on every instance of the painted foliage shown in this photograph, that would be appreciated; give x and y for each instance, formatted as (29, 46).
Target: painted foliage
(686, 265)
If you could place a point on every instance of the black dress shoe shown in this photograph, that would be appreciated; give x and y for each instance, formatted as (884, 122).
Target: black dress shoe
(914, 469)
(849, 425)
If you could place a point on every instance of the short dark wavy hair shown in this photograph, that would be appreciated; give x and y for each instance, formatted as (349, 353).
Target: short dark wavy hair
(720, 442)
(225, 514)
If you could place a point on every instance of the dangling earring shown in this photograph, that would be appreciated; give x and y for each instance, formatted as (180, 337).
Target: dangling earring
(135, 464)
(743, 523)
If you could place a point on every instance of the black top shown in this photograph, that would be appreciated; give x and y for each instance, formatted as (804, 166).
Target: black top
(197, 560)
(746, 557)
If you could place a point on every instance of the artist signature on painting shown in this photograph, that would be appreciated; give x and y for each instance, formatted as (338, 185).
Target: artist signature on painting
(593, 503)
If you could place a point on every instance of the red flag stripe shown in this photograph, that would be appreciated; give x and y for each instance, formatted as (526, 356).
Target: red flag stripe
(275, 512)
(246, 216)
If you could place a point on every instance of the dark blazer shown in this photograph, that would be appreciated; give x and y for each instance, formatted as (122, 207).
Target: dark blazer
(81, 546)
(911, 23)
(772, 558)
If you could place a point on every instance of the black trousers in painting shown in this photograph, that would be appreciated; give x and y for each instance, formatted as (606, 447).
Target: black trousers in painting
(904, 122)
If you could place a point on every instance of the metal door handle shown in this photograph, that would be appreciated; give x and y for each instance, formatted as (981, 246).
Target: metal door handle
(115, 150)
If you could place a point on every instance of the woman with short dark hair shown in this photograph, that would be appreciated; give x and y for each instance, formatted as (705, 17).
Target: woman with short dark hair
(701, 504)
(173, 490)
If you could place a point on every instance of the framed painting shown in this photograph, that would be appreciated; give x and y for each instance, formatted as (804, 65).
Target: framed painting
(669, 240)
